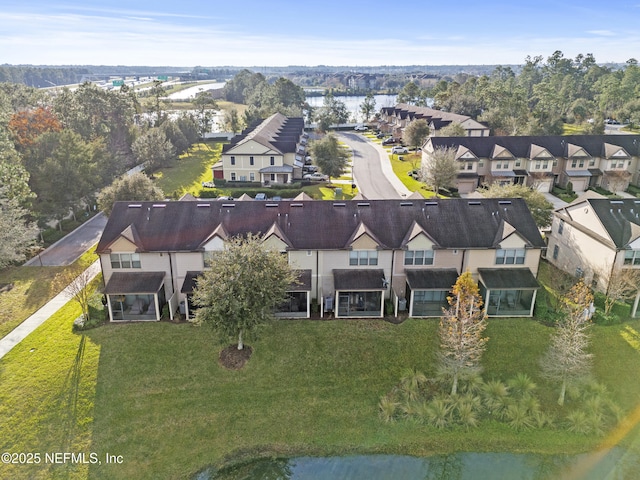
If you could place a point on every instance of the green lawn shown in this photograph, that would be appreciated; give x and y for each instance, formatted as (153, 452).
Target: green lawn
(32, 287)
(190, 171)
(155, 394)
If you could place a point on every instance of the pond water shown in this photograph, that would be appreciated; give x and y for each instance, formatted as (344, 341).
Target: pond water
(353, 103)
(614, 465)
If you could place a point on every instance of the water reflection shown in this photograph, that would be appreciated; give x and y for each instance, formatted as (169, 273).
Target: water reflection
(460, 466)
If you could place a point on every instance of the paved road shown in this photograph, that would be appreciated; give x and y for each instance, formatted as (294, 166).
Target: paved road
(69, 248)
(372, 169)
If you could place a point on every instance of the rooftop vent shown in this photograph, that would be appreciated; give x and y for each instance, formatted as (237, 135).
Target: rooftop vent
(297, 204)
(474, 202)
(228, 205)
(364, 204)
(504, 202)
(431, 203)
(135, 205)
(271, 205)
(203, 205)
(159, 205)
(339, 204)
(406, 204)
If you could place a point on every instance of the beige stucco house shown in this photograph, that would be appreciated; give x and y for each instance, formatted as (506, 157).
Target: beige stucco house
(351, 256)
(270, 151)
(593, 236)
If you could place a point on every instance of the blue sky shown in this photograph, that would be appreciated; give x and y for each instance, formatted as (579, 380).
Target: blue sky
(330, 32)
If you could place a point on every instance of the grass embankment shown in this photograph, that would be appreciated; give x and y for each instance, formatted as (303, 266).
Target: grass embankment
(155, 394)
(32, 287)
(191, 169)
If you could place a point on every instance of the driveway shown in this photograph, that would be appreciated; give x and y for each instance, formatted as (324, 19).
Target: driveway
(372, 169)
(69, 248)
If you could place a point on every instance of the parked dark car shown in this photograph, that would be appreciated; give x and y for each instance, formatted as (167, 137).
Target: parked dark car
(390, 141)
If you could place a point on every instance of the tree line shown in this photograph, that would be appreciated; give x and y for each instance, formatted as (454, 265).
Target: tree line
(59, 148)
(541, 97)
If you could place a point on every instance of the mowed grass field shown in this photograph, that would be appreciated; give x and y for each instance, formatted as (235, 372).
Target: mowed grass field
(154, 394)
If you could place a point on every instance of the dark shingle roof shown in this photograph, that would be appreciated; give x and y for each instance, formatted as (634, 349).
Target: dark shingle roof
(620, 218)
(359, 279)
(557, 145)
(508, 278)
(432, 279)
(320, 225)
(134, 282)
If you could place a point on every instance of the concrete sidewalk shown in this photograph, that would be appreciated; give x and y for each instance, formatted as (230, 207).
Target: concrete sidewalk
(39, 317)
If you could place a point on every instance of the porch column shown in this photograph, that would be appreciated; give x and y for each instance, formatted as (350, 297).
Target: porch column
(109, 305)
(533, 302)
(634, 309)
(486, 302)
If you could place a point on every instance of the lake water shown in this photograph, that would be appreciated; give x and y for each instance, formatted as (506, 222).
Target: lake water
(616, 464)
(353, 103)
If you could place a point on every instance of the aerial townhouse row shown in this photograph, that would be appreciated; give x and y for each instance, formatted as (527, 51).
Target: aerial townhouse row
(542, 162)
(394, 120)
(270, 151)
(350, 256)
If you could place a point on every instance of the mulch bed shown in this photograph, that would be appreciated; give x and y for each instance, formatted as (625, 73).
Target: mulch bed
(234, 359)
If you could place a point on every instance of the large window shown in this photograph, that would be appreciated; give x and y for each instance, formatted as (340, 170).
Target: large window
(632, 257)
(510, 256)
(418, 257)
(363, 257)
(125, 260)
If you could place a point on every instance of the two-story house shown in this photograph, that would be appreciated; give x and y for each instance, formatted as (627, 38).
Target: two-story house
(593, 236)
(579, 161)
(395, 119)
(270, 151)
(351, 256)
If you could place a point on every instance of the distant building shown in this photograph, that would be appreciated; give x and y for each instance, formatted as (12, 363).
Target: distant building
(394, 120)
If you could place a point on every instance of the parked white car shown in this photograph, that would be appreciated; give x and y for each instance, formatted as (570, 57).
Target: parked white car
(360, 128)
(399, 149)
(316, 177)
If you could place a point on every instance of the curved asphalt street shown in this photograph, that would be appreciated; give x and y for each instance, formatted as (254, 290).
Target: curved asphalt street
(372, 169)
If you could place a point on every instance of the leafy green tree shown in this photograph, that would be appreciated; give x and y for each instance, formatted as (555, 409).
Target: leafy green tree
(330, 157)
(14, 178)
(567, 360)
(231, 120)
(244, 285)
(439, 168)
(454, 129)
(416, 133)
(66, 170)
(205, 106)
(410, 93)
(156, 105)
(541, 209)
(332, 112)
(239, 88)
(135, 187)
(173, 133)
(16, 233)
(461, 333)
(95, 113)
(368, 106)
(153, 149)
